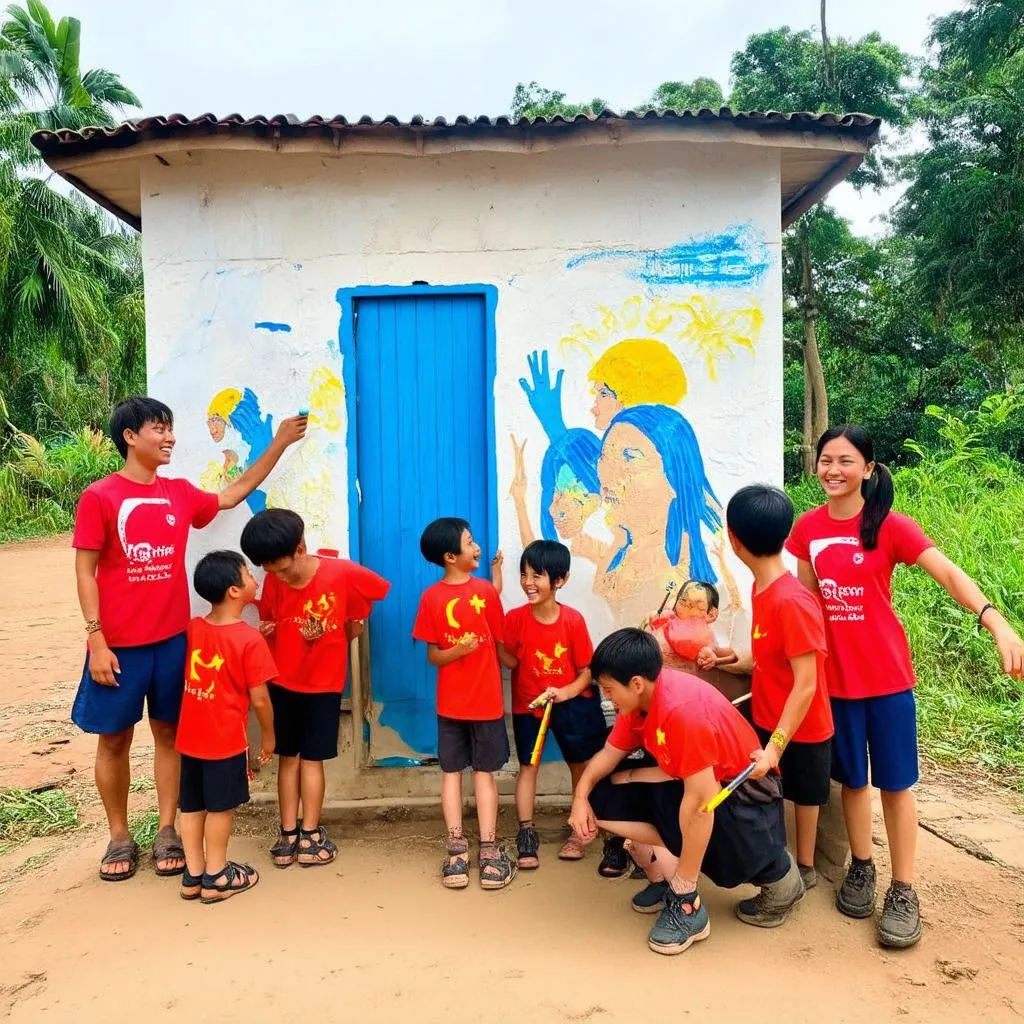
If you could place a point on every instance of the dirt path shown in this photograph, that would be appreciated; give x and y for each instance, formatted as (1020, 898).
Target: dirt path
(375, 936)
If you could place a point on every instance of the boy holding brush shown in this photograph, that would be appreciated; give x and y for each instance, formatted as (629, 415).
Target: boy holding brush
(701, 743)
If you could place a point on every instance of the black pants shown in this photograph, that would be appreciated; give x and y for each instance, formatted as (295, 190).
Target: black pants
(748, 840)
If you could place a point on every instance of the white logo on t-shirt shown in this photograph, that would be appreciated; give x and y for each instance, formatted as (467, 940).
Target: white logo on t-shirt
(144, 553)
(845, 603)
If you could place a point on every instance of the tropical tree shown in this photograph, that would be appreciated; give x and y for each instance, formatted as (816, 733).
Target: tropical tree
(534, 100)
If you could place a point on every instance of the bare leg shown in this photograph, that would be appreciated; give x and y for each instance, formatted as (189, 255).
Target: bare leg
(806, 833)
(288, 792)
(113, 775)
(451, 805)
(167, 774)
(526, 791)
(217, 834)
(311, 787)
(485, 789)
(900, 812)
(857, 812)
(193, 827)
(644, 855)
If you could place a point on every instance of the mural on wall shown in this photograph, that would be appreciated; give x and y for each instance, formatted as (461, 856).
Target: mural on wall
(236, 422)
(629, 493)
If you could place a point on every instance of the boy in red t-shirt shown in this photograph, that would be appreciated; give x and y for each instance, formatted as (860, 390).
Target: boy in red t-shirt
(700, 743)
(130, 535)
(548, 648)
(228, 668)
(461, 621)
(789, 692)
(310, 608)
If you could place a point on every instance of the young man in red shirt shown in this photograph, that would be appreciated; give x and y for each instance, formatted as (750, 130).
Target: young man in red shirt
(130, 535)
(228, 669)
(700, 742)
(789, 692)
(310, 608)
(461, 621)
(548, 647)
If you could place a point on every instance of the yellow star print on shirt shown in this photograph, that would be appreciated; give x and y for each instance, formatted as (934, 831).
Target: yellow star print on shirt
(659, 736)
(478, 603)
(560, 650)
(758, 635)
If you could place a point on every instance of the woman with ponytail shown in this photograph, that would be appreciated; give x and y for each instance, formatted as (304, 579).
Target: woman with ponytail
(846, 551)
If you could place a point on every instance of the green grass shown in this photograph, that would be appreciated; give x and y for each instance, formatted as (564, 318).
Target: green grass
(968, 710)
(25, 815)
(145, 828)
(142, 784)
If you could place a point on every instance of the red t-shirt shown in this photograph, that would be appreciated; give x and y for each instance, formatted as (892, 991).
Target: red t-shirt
(689, 726)
(787, 623)
(868, 651)
(339, 592)
(470, 687)
(549, 654)
(224, 663)
(140, 531)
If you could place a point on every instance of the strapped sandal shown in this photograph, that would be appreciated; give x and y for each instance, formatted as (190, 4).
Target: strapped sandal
(124, 852)
(189, 883)
(167, 846)
(231, 873)
(455, 873)
(494, 858)
(527, 848)
(615, 862)
(309, 856)
(286, 850)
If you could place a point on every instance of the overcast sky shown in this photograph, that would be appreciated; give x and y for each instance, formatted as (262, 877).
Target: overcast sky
(448, 57)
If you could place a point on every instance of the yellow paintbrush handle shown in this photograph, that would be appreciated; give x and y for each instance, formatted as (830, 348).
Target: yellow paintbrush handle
(542, 734)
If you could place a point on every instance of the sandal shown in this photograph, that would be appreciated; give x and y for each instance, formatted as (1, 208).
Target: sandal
(572, 849)
(615, 862)
(189, 883)
(310, 848)
(497, 869)
(455, 867)
(167, 846)
(245, 874)
(286, 850)
(527, 847)
(124, 851)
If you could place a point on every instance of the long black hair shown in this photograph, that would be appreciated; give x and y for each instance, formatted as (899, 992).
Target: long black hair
(877, 490)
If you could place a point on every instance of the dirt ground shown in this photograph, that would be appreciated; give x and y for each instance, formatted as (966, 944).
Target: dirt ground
(375, 936)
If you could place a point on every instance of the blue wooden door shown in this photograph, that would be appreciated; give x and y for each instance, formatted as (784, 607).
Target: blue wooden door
(423, 404)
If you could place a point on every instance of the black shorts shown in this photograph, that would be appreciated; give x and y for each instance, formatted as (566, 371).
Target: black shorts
(482, 746)
(220, 785)
(806, 770)
(305, 724)
(577, 725)
(748, 840)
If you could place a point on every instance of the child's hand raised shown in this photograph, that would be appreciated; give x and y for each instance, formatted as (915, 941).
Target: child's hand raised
(291, 430)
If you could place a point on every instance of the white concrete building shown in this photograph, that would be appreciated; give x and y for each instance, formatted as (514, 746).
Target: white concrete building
(561, 329)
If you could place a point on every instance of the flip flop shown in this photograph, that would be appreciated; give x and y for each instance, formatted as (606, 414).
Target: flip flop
(167, 846)
(125, 851)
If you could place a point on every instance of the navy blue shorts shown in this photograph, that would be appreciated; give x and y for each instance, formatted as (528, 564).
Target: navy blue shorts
(578, 727)
(216, 786)
(882, 729)
(152, 674)
(305, 724)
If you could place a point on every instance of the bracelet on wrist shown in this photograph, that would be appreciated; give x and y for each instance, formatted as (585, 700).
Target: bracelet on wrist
(981, 615)
(92, 626)
(778, 739)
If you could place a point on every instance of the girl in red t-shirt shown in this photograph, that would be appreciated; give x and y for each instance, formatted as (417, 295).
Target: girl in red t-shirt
(847, 550)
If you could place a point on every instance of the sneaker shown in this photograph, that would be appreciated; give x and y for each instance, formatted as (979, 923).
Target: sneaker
(615, 861)
(809, 877)
(771, 906)
(527, 848)
(683, 922)
(651, 899)
(572, 849)
(856, 897)
(900, 924)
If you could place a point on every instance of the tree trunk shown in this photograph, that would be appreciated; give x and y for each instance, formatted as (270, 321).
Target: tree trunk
(815, 392)
(828, 64)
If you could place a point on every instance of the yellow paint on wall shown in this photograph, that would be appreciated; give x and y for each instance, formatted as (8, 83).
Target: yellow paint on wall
(326, 399)
(641, 371)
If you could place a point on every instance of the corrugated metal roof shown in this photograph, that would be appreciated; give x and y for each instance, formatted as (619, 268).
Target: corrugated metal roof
(65, 142)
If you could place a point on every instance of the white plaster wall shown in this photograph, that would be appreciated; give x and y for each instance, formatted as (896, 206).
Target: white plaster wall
(232, 239)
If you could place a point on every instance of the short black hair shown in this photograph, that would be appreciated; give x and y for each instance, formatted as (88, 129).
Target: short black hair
(133, 414)
(272, 534)
(546, 557)
(710, 592)
(760, 517)
(626, 653)
(442, 537)
(216, 574)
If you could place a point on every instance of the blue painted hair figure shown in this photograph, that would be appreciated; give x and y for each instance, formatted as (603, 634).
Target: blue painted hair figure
(569, 471)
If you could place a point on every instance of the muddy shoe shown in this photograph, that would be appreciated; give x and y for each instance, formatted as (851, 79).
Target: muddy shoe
(856, 897)
(900, 924)
(683, 922)
(809, 877)
(651, 899)
(771, 906)
(615, 862)
(527, 848)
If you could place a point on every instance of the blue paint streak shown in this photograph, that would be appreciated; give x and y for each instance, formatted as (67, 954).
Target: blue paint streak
(737, 256)
(269, 325)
